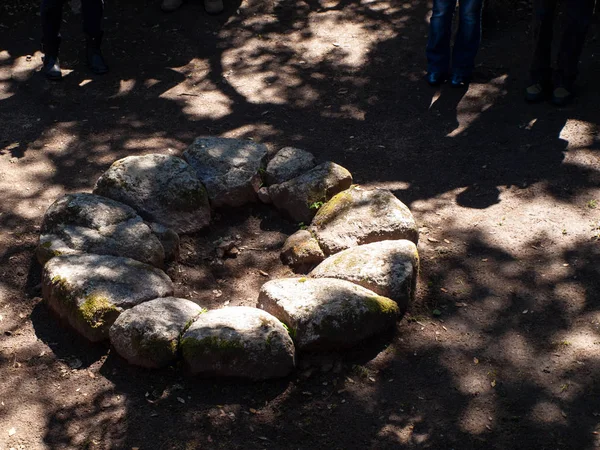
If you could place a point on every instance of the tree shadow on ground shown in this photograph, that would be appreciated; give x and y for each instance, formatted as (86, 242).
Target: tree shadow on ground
(482, 374)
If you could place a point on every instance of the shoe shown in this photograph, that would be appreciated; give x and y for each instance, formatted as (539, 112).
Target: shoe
(435, 78)
(51, 68)
(561, 96)
(536, 92)
(170, 5)
(213, 6)
(459, 80)
(93, 56)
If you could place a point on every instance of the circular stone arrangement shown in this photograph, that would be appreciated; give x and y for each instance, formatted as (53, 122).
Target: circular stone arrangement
(103, 255)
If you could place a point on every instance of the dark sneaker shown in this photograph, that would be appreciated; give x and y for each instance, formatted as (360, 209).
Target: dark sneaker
(459, 80)
(94, 58)
(435, 78)
(561, 96)
(536, 92)
(51, 68)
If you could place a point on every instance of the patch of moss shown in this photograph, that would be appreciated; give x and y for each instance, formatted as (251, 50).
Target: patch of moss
(210, 344)
(379, 304)
(95, 309)
(334, 206)
(47, 244)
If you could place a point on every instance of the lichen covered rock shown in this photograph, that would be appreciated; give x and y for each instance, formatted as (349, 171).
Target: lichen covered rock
(161, 188)
(388, 268)
(288, 163)
(148, 334)
(90, 291)
(238, 342)
(301, 197)
(87, 223)
(229, 168)
(358, 216)
(327, 313)
(301, 251)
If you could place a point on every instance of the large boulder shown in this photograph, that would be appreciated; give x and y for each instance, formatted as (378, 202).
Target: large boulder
(148, 334)
(161, 188)
(288, 163)
(229, 168)
(87, 223)
(325, 313)
(301, 197)
(90, 291)
(301, 251)
(238, 341)
(358, 216)
(388, 268)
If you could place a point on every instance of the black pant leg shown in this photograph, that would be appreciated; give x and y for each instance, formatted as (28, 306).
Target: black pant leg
(541, 29)
(51, 15)
(578, 17)
(92, 11)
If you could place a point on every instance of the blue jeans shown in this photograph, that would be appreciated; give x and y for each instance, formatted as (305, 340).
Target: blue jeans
(467, 39)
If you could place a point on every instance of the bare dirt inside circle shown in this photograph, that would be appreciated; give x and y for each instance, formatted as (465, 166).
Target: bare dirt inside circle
(500, 350)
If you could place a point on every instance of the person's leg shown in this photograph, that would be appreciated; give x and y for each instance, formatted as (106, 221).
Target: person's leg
(51, 15)
(92, 11)
(438, 42)
(541, 30)
(578, 17)
(467, 40)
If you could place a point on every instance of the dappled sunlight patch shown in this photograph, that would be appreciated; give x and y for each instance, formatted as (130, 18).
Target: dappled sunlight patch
(578, 134)
(402, 430)
(548, 412)
(476, 417)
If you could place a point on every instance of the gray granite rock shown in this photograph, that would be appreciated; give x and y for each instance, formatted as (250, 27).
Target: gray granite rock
(161, 188)
(87, 223)
(264, 196)
(169, 240)
(229, 168)
(358, 216)
(388, 268)
(301, 197)
(238, 342)
(288, 163)
(325, 313)
(90, 291)
(301, 251)
(148, 334)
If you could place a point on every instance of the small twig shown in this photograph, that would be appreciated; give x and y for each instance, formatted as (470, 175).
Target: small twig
(189, 95)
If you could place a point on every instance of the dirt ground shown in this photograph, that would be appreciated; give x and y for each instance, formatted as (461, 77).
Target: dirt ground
(501, 349)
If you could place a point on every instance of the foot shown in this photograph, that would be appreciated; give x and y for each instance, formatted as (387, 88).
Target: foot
(95, 61)
(561, 96)
(213, 6)
(51, 68)
(170, 5)
(435, 78)
(536, 92)
(459, 80)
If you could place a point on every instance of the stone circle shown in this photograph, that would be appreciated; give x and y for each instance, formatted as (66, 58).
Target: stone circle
(102, 256)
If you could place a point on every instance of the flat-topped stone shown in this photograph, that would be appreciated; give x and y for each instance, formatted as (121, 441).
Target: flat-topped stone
(326, 313)
(238, 341)
(161, 188)
(148, 334)
(359, 216)
(288, 163)
(301, 197)
(388, 268)
(229, 168)
(87, 223)
(90, 291)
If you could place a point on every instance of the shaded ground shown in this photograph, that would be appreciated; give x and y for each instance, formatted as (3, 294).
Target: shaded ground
(506, 194)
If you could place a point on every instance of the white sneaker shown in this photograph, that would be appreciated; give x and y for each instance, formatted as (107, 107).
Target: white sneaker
(213, 6)
(170, 5)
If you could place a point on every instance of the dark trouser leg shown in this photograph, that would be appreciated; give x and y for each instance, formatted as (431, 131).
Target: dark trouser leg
(51, 14)
(440, 29)
(578, 16)
(92, 11)
(468, 37)
(541, 29)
